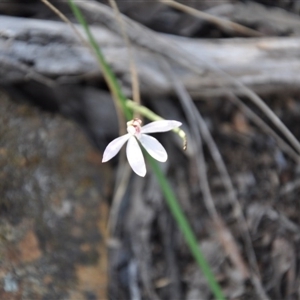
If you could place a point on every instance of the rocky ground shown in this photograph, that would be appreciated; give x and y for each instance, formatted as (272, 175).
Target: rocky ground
(52, 207)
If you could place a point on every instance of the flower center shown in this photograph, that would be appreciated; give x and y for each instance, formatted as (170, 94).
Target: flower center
(134, 127)
(131, 129)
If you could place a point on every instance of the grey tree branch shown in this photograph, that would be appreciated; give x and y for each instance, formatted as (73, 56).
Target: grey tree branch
(51, 49)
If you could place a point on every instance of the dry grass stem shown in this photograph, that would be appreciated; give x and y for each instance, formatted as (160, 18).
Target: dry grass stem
(133, 69)
(67, 21)
(257, 101)
(224, 234)
(265, 127)
(123, 176)
(219, 22)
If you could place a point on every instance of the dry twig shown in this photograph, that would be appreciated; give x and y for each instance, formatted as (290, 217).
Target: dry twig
(226, 238)
(219, 22)
(67, 21)
(265, 127)
(133, 69)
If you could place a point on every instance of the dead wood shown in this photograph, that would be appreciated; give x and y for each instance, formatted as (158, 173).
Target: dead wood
(52, 50)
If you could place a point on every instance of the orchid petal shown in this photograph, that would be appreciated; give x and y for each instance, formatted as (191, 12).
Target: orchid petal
(160, 126)
(153, 147)
(135, 157)
(114, 147)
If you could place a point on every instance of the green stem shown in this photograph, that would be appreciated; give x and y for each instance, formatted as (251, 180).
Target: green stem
(186, 229)
(143, 110)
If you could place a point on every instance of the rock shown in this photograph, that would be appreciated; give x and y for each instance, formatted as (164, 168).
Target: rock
(52, 185)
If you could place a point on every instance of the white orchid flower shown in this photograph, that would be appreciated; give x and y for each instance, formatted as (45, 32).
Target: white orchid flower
(136, 133)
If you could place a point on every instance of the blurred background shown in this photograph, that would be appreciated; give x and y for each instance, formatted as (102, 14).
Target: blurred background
(228, 74)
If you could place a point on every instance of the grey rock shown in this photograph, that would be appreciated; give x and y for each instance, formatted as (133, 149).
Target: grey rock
(51, 193)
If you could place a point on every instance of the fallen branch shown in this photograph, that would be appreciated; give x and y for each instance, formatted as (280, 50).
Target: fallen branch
(50, 49)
